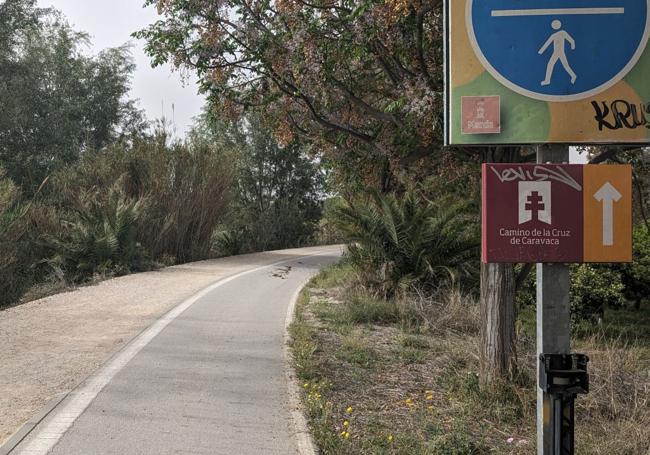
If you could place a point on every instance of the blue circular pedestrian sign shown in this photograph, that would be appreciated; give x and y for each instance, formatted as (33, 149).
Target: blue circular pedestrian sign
(558, 50)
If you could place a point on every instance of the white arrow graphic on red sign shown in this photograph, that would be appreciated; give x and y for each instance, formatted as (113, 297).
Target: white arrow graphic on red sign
(607, 194)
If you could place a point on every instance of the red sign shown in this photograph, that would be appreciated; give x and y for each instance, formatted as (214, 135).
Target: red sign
(536, 213)
(481, 114)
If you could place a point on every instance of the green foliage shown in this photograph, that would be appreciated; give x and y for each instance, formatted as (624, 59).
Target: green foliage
(364, 309)
(303, 345)
(527, 292)
(11, 230)
(594, 288)
(228, 243)
(123, 209)
(354, 350)
(279, 188)
(56, 102)
(187, 187)
(636, 276)
(458, 442)
(101, 237)
(333, 276)
(329, 232)
(359, 79)
(21, 226)
(396, 241)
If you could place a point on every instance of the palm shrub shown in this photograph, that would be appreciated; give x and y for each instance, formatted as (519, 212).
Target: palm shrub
(228, 243)
(187, 187)
(400, 240)
(100, 237)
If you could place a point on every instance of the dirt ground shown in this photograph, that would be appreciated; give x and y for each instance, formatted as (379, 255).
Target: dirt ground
(49, 346)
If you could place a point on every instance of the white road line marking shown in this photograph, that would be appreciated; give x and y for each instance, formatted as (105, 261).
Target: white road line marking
(555, 11)
(77, 402)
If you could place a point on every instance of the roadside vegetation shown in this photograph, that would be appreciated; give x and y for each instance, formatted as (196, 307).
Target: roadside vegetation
(400, 376)
(386, 344)
(138, 205)
(90, 189)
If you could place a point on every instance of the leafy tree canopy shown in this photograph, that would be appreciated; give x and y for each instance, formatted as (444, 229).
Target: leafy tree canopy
(361, 79)
(279, 188)
(57, 101)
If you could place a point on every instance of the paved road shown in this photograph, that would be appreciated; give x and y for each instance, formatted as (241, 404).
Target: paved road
(208, 378)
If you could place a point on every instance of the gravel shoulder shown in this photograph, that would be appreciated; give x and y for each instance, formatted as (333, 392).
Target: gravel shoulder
(51, 345)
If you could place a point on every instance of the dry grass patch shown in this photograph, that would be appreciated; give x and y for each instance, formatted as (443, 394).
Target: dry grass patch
(400, 377)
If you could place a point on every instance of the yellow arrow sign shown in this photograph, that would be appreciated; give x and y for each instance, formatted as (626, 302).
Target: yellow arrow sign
(607, 213)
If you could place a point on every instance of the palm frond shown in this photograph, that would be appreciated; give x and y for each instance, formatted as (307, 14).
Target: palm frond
(404, 239)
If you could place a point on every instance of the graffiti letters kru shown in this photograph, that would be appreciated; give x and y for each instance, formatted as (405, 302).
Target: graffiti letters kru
(621, 114)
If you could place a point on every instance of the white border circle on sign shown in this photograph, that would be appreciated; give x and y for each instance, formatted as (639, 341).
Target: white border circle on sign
(555, 98)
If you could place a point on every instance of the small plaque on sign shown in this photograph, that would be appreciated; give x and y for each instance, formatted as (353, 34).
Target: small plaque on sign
(481, 114)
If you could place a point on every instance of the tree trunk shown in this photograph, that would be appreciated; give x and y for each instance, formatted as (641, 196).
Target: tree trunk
(497, 354)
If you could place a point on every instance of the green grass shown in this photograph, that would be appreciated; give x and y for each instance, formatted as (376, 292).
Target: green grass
(408, 340)
(412, 348)
(359, 309)
(626, 324)
(354, 349)
(332, 276)
(303, 344)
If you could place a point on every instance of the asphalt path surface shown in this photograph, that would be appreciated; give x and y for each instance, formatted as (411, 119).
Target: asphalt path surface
(210, 381)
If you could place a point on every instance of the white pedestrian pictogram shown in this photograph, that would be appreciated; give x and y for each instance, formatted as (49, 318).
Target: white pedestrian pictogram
(559, 40)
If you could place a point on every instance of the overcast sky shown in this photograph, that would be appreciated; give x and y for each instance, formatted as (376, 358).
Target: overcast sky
(110, 24)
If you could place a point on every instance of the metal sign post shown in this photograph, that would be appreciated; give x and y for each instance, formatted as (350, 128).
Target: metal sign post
(553, 325)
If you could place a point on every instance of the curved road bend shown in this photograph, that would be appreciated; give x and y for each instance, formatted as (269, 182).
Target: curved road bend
(212, 381)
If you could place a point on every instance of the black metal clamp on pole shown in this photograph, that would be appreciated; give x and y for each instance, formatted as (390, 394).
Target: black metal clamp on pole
(563, 377)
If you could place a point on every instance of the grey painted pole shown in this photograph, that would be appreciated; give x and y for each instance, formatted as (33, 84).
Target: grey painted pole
(553, 319)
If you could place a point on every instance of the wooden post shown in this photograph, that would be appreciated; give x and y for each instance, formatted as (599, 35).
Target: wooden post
(498, 321)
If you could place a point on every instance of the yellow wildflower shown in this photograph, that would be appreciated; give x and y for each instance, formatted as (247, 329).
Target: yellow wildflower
(349, 410)
(390, 438)
(346, 423)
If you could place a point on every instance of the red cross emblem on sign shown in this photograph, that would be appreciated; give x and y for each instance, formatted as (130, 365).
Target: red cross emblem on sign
(535, 204)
